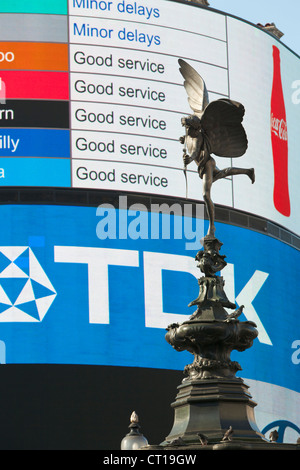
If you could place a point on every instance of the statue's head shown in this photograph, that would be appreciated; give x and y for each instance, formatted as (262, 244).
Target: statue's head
(192, 121)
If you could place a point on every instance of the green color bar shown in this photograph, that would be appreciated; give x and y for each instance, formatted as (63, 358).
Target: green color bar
(54, 7)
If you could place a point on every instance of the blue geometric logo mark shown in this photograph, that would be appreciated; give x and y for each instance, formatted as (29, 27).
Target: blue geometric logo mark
(13, 289)
(26, 292)
(4, 262)
(23, 261)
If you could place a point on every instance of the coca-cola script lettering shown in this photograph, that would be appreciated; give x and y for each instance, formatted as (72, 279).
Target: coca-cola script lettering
(279, 127)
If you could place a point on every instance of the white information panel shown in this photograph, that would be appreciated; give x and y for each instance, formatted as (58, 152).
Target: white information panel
(127, 95)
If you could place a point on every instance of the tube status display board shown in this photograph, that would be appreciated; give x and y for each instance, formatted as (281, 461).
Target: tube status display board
(101, 79)
(91, 97)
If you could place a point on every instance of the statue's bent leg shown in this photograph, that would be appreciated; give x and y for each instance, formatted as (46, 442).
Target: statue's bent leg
(219, 174)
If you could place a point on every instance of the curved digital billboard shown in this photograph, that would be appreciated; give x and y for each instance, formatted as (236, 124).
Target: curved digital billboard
(91, 97)
(76, 281)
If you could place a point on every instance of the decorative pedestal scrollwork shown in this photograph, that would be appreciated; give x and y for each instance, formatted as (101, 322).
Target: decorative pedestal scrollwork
(212, 334)
(211, 343)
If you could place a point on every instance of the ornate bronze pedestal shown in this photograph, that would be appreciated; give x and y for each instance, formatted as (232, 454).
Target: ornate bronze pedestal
(213, 409)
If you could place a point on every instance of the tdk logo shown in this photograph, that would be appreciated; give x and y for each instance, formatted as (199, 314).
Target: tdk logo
(98, 261)
(26, 292)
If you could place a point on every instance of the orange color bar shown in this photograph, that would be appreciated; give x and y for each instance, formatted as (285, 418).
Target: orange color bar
(33, 56)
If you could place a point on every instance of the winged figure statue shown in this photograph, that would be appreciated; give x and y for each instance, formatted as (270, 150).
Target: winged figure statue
(213, 128)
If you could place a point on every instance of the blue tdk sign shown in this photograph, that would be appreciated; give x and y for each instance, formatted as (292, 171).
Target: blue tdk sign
(69, 297)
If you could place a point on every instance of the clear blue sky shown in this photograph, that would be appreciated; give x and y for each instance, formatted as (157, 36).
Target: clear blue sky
(284, 13)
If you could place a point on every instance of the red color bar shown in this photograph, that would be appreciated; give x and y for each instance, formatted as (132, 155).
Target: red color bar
(36, 85)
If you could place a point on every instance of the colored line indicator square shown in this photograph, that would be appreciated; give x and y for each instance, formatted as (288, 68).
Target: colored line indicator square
(34, 56)
(35, 172)
(36, 85)
(55, 7)
(32, 113)
(48, 143)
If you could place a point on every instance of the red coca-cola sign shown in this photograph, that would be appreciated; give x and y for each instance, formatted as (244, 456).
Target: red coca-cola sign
(279, 139)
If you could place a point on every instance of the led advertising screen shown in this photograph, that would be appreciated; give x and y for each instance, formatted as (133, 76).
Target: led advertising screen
(75, 285)
(92, 97)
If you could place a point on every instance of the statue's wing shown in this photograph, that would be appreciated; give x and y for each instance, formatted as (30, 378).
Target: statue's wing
(195, 88)
(222, 124)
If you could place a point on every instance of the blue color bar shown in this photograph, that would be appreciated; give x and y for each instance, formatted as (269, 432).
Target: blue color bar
(35, 172)
(35, 143)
